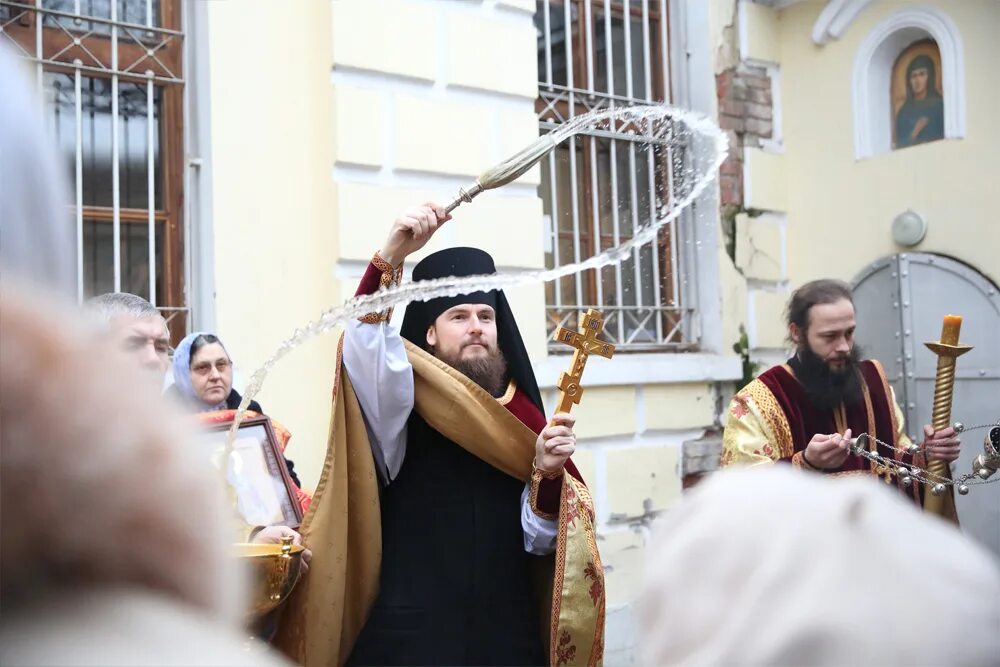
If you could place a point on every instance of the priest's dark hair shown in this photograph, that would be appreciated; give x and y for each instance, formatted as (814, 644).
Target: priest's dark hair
(812, 294)
(460, 262)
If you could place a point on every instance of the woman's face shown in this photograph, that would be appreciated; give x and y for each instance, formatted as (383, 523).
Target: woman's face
(211, 373)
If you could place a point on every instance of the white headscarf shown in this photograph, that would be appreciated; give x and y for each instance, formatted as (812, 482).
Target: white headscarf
(777, 567)
(182, 373)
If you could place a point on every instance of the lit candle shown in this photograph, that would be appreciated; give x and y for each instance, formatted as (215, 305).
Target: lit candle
(952, 326)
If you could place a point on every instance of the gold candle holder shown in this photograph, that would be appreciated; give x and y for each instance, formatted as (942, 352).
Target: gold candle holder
(948, 349)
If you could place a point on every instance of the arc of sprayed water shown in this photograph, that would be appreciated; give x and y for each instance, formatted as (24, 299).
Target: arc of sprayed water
(452, 286)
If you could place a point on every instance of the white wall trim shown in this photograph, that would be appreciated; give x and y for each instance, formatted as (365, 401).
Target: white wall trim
(747, 182)
(396, 84)
(694, 88)
(742, 29)
(199, 237)
(770, 357)
(448, 184)
(836, 18)
(639, 369)
(776, 144)
(875, 55)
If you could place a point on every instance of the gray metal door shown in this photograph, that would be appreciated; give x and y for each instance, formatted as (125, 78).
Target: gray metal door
(900, 302)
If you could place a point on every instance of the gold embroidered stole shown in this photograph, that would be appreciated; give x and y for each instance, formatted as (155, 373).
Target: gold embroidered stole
(327, 610)
(576, 635)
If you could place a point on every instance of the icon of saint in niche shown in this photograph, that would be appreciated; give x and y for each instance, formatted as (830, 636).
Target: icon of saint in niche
(916, 95)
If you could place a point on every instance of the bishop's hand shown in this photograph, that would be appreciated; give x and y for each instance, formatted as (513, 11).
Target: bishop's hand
(411, 231)
(556, 443)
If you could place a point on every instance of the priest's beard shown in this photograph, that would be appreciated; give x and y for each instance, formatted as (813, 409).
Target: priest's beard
(489, 372)
(827, 387)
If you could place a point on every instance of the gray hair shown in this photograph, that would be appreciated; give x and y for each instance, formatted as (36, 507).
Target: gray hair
(107, 306)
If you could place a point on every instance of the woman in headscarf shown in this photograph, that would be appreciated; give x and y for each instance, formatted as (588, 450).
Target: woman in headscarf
(203, 380)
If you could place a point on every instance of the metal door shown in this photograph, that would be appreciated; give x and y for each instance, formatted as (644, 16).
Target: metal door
(900, 302)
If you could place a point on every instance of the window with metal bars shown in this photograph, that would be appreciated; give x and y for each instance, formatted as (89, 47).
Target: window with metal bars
(111, 76)
(598, 188)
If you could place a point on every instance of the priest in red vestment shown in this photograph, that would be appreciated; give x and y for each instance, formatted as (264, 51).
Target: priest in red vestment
(805, 411)
(479, 524)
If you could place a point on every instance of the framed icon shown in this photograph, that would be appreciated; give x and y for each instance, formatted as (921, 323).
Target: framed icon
(263, 491)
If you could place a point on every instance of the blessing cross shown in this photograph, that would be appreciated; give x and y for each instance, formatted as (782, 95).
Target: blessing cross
(586, 343)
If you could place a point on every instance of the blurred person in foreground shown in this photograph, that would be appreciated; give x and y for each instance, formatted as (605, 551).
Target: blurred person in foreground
(772, 567)
(100, 560)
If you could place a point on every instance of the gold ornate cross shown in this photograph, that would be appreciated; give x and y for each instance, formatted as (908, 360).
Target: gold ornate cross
(586, 343)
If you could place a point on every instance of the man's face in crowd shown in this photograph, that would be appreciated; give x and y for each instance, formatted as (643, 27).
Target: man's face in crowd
(830, 335)
(465, 337)
(144, 340)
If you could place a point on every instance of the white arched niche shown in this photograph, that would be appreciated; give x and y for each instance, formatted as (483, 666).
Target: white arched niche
(873, 68)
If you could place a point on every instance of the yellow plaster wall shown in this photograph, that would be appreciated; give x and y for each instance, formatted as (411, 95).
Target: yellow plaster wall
(761, 32)
(272, 204)
(431, 123)
(766, 185)
(643, 480)
(840, 210)
(677, 406)
(382, 36)
(609, 411)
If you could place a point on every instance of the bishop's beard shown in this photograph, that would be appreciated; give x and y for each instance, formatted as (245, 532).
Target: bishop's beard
(489, 372)
(827, 387)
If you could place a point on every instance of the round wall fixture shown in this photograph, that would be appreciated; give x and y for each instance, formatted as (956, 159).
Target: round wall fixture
(908, 228)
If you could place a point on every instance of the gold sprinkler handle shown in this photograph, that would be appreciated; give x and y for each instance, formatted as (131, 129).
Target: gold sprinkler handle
(947, 350)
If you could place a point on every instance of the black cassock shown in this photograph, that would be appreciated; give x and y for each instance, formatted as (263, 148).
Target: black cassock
(456, 582)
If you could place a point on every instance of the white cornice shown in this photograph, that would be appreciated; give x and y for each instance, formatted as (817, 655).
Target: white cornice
(836, 18)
